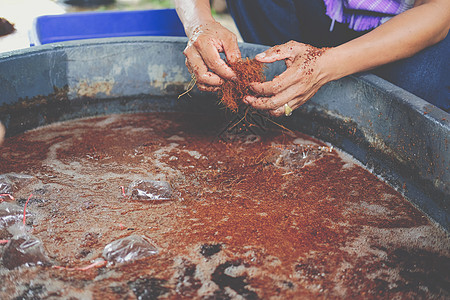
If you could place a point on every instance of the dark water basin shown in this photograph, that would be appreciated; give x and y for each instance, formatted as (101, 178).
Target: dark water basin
(394, 134)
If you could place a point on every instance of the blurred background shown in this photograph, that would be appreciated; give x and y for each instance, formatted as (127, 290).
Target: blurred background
(16, 16)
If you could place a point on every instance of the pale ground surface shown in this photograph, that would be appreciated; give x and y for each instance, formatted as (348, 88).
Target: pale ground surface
(22, 13)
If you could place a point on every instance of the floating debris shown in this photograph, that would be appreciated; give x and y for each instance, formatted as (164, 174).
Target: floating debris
(10, 214)
(24, 250)
(296, 156)
(12, 182)
(151, 190)
(130, 248)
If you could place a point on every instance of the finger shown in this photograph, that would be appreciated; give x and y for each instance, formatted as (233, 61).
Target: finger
(249, 99)
(218, 66)
(276, 112)
(278, 84)
(210, 55)
(265, 103)
(231, 50)
(207, 88)
(198, 67)
(278, 52)
(290, 76)
(280, 111)
(274, 102)
(293, 104)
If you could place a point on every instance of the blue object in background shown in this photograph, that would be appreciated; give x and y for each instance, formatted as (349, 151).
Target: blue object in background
(89, 25)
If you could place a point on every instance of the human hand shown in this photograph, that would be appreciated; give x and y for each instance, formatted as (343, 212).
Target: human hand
(202, 55)
(303, 77)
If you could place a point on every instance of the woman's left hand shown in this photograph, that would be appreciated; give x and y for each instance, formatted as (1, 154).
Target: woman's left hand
(302, 78)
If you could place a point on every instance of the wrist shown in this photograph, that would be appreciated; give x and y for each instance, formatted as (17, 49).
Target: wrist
(196, 27)
(193, 14)
(330, 66)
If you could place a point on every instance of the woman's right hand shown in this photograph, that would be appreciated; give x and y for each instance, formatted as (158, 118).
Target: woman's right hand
(206, 41)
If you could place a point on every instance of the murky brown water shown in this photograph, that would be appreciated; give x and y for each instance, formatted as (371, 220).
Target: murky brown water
(165, 208)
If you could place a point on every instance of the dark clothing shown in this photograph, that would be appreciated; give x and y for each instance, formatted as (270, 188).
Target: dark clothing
(268, 22)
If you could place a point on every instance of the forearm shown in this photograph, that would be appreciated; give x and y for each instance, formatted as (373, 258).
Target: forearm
(400, 37)
(193, 13)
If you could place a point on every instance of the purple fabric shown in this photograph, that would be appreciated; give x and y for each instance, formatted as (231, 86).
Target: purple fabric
(383, 6)
(363, 15)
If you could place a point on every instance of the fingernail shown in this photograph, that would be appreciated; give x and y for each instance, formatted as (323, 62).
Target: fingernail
(234, 78)
(261, 55)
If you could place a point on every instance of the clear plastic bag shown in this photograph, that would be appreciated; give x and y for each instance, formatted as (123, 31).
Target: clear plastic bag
(296, 156)
(151, 190)
(11, 182)
(10, 214)
(130, 248)
(24, 250)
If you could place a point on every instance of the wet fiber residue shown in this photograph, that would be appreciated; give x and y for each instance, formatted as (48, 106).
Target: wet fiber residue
(159, 206)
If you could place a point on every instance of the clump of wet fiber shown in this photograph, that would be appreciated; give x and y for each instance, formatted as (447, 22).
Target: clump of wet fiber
(247, 71)
(6, 27)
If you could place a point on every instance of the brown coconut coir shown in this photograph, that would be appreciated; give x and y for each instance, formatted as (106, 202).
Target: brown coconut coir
(247, 71)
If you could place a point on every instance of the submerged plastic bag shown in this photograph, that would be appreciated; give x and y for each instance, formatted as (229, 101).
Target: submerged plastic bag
(130, 248)
(11, 182)
(10, 214)
(296, 156)
(24, 250)
(151, 190)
